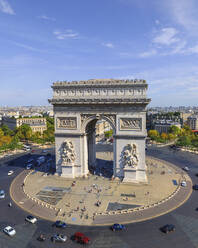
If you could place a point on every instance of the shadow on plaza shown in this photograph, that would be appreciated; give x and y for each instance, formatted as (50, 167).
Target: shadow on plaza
(103, 168)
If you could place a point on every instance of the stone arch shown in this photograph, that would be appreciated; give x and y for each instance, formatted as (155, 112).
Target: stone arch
(88, 128)
(77, 107)
(86, 119)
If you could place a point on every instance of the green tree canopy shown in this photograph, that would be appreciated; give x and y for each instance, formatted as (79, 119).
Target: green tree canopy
(153, 134)
(184, 141)
(6, 130)
(174, 130)
(24, 132)
(1, 132)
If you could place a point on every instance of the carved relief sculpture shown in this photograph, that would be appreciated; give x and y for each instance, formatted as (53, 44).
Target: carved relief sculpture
(130, 156)
(68, 155)
(131, 124)
(66, 122)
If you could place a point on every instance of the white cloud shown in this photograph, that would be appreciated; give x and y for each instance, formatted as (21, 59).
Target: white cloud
(6, 8)
(44, 17)
(166, 36)
(28, 47)
(180, 47)
(109, 45)
(184, 12)
(193, 49)
(157, 22)
(148, 54)
(67, 34)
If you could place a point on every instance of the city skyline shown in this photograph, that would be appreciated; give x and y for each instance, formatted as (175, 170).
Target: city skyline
(42, 42)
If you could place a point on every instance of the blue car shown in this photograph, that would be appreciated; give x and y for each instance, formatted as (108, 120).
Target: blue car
(117, 227)
(60, 224)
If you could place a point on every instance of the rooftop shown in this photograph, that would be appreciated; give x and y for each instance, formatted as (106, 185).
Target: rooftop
(99, 81)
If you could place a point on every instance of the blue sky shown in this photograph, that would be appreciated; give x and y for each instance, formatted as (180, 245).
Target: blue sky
(42, 41)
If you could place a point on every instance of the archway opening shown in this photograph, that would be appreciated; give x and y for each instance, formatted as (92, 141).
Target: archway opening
(100, 147)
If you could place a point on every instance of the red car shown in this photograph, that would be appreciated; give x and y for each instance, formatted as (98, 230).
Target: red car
(81, 238)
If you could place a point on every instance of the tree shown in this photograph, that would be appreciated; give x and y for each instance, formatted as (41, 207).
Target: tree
(171, 136)
(174, 130)
(108, 134)
(164, 136)
(184, 141)
(6, 130)
(24, 132)
(5, 140)
(1, 133)
(153, 134)
(195, 141)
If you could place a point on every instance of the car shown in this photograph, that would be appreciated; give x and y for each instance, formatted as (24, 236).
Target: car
(9, 231)
(80, 238)
(29, 166)
(183, 184)
(195, 186)
(186, 168)
(2, 194)
(30, 160)
(60, 224)
(10, 172)
(168, 228)
(117, 227)
(58, 238)
(31, 219)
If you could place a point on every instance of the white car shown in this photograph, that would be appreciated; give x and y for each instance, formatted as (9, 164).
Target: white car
(186, 168)
(9, 231)
(183, 184)
(31, 219)
(29, 166)
(10, 172)
(2, 194)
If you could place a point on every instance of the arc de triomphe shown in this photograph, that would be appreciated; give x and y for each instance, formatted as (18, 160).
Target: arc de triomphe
(78, 105)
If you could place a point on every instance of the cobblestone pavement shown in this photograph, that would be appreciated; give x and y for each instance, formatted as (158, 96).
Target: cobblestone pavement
(86, 201)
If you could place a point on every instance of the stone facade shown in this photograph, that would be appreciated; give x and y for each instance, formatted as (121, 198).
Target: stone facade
(77, 108)
(36, 124)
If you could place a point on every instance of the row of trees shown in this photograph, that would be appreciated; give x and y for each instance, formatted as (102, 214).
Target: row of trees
(10, 139)
(182, 136)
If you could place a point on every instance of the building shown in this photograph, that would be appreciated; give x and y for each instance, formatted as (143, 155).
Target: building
(36, 124)
(163, 127)
(192, 122)
(102, 126)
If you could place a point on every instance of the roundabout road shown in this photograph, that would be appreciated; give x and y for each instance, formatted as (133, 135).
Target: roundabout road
(138, 235)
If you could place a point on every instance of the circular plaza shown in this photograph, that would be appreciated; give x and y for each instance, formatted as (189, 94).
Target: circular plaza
(98, 200)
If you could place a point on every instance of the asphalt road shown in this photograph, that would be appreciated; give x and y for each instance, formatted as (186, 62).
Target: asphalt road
(138, 235)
